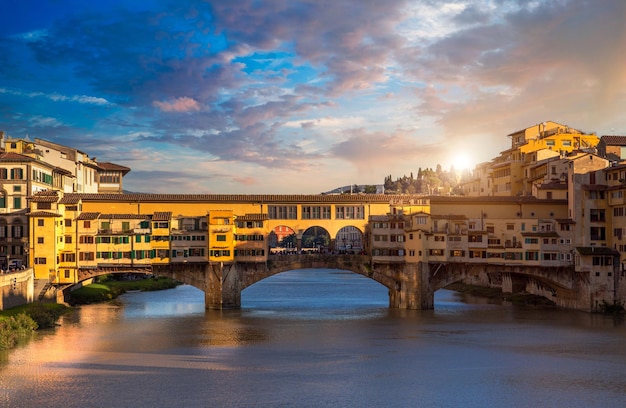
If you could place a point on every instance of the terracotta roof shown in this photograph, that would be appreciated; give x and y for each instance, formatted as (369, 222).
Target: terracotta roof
(88, 216)
(62, 171)
(107, 166)
(125, 216)
(565, 221)
(162, 216)
(448, 217)
(43, 214)
(597, 251)
(14, 157)
(545, 234)
(69, 199)
(301, 198)
(613, 140)
(46, 196)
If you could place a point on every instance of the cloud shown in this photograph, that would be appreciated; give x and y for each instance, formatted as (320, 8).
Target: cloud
(182, 104)
(41, 121)
(313, 87)
(56, 97)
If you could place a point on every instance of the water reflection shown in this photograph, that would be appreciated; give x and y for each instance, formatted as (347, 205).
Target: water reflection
(318, 338)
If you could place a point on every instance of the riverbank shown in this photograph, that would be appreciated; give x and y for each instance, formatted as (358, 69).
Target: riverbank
(18, 324)
(107, 288)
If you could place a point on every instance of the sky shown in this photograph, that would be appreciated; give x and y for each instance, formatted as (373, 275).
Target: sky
(303, 96)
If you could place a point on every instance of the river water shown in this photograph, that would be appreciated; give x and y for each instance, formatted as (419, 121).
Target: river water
(318, 338)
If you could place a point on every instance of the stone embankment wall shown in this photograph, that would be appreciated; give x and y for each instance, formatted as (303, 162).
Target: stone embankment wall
(17, 288)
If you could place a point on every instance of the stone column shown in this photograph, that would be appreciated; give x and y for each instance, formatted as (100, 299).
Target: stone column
(413, 290)
(222, 288)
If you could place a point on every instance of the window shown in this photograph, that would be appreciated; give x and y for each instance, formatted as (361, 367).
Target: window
(282, 212)
(316, 212)
(69, 257)
(87, 224)
(68, 222)
(597, 215)
(598, 233)
(40, 223)
(40, 240)
(220, 237)
(110, 177)
(86, 256)
(40, 261)
(85, 239)
(347, 212)
(17, 174)
(17, 203)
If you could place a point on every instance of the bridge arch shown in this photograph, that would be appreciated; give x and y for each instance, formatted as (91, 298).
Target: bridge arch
(557, 284)
(282, 238)
(349, 239)
(316, 238)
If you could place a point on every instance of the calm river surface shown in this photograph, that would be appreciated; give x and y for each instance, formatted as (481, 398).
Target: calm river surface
(318, 338)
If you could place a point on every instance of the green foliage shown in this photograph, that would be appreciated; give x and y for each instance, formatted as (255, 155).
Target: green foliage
(45, 315)
(110, 289)
(15, 328)
(428, 181)
(370, 189)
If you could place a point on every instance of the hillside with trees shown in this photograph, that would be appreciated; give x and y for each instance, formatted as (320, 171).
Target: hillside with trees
(427, 181)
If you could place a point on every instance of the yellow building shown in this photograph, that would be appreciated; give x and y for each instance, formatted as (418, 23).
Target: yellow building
(251, 243)
(221, 236)
(514, 170)
(189, 239)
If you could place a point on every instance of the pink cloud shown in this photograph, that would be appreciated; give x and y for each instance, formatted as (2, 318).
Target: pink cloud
(182, 104)
(246, 181)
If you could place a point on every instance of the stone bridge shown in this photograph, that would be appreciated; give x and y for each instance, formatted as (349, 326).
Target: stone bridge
(411, 286)
(223, 283)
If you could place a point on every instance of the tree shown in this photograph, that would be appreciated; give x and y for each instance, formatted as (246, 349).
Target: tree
(370, 189)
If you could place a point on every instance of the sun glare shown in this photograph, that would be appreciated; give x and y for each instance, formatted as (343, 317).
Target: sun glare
(462, 162)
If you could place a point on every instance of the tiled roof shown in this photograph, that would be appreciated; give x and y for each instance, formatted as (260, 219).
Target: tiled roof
(69, 199)
(545, 234)
(261, 199)
(126, 216)
(46, 196)
(162, 216)
(597, 251)
(493, 200)
(88, 216)
(107, 166)
(43, 214)
(565, 221)
(613, 140)
(458, 217)
(14, 157)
